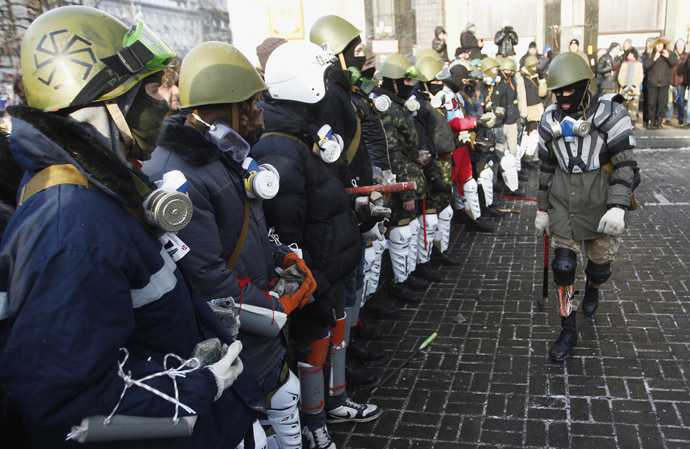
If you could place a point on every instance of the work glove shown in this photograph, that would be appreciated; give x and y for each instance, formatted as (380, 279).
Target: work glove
(302, 296)
(320, 312)
(612, 222)
(227, 369)
(371, 207)
(487, 120)
(377, 232)
(500, 112)
(541, 222)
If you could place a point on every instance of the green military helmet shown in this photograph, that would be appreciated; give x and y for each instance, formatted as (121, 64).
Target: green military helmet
(507, 64)
(335, 31)
(488, 64)
(566, 69)
(531, 61)
(428, 52)
(396, 67)
(66, 53)
(217, 73)
(427, 69)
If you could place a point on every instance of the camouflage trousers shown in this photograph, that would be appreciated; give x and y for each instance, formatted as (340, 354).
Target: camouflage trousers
(439, 200)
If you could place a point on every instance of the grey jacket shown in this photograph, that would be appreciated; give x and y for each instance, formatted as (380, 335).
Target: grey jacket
(577, 190)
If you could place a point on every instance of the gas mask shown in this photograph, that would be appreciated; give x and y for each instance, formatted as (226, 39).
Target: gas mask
(489, 81)
(570, 129)
(412, 105)
(168, 207)
(329, 146)
(381, 102)
(357, 78)
(262, 181)
(434, 88)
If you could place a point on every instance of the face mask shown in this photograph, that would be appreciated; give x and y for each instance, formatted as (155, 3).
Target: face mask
(574, 100)
(569, 129)
(144, 118)
(261, 181)
(404, 90)
(168, 207)
(329, 146)
(434, 88)
(369, 73)
(489, 81)
(531, 70)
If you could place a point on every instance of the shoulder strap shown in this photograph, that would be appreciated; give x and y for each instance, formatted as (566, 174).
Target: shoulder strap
(289, 136)
(234, 257)
(52, 176)
(354, 144)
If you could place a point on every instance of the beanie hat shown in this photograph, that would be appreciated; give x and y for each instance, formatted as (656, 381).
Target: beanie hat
(264, 50)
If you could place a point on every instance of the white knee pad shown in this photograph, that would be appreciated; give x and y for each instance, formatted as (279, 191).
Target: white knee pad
(415, 227)
(509, 171)
(472, 198)
(486, 181)
(443, 232)
(431, 225)
(398, 249)
(520, 152)
(283, 415)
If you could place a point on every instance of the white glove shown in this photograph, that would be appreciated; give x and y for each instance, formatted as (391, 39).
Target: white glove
(487, 120)
(541, 222)
(227, 369)
(612, 222)
(377, 232)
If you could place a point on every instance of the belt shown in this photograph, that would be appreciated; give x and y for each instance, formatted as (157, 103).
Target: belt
(444, 157)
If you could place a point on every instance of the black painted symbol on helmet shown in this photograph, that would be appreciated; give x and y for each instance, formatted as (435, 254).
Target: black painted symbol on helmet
(76, 50)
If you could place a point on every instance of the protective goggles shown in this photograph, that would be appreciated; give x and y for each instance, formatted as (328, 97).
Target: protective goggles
(142, 49)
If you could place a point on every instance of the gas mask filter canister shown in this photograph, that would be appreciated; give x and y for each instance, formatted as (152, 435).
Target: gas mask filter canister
(168, 207)
(570, 128)
(330, 145)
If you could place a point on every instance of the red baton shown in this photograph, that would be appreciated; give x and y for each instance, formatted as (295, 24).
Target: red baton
(384, 188)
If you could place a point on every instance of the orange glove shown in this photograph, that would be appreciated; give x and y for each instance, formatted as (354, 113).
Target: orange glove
(302, 296)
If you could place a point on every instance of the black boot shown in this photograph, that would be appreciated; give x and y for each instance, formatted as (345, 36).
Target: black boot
(417, 283)
(443, 258)
(425, 271)
(590, 302)
(402, 292)
(378, 310)
(366, 356)
(479, 226)
(360, 378)
(487, 211)
(566, 341)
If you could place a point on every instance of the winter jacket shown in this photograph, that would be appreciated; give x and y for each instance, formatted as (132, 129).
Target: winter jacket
(402, 153)
(576, 201)
(373, 134)
(530, 103)
(341, 114)
(659, 71)
(505, 39)
(606, 72)
(469, 41)
(81, 279)
(433, 121)
(631, 74)
(218, 194)
(493, 98)
(439, 45)
(680, 74)
(510, 99)
(311, 208)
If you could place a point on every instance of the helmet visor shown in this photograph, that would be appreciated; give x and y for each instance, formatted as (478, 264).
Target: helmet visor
(160, 52)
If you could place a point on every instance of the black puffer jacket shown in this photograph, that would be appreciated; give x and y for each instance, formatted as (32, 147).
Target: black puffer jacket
(311, 208)
(435, 126)
(606, 72)
(218, 194)
(659, 71)
(505, 39)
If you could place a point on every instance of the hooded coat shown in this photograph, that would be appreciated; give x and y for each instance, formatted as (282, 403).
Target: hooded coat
(81, 278)
(659, 71)
(439, 45)
(606, 70)
(217, 191)
(506, 38)
(312, 208)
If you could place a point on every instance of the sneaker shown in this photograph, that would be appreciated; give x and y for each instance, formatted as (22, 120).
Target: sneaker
(317, 438)
(360, 378)
(352, 412)
(366, 356)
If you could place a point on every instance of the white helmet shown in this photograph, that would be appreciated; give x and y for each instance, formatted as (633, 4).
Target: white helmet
(295, 71)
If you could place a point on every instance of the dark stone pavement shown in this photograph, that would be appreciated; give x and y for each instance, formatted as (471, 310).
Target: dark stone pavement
(486, 382)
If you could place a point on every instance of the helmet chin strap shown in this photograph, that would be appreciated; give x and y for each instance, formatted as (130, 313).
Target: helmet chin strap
(341, 58)
(121, 123)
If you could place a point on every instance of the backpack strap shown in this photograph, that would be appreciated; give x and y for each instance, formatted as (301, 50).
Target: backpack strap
(52, 176)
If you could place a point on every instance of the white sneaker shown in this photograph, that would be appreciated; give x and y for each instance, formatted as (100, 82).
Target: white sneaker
(318, 438)
(352, 412)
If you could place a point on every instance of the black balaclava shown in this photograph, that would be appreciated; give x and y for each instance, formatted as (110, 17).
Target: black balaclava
(369, 73)
(457, 73)
(349, 54)
(398, 87)
(434, 88)
(145, 118)
(575, 99)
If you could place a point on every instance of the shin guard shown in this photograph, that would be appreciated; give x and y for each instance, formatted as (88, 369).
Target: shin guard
(372, 284)
(443, 232)
(336, 354)
(472, 198)
(509, 172)
(398, 250)
(415, 229)
(486, 182)
(311, 387)
(564, 265)
(283, 414)
(425, 239)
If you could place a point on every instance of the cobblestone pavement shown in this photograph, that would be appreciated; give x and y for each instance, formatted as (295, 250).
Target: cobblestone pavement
(486, 381)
